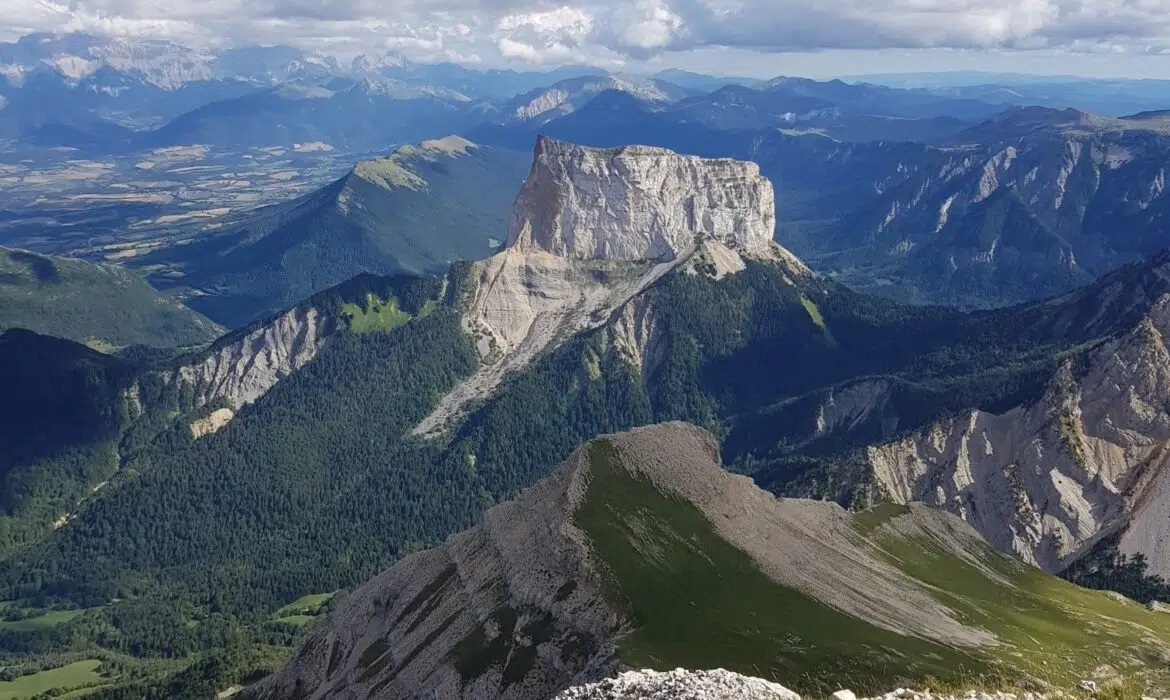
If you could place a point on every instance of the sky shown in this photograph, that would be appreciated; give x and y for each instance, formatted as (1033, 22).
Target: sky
(818, 38)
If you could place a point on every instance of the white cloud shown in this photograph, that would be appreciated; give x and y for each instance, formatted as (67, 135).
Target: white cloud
(546, 31)
(648, 26)
(518, 49)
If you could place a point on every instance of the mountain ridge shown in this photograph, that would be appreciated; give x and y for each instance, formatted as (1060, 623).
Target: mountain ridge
(551, 590)
(416, 209)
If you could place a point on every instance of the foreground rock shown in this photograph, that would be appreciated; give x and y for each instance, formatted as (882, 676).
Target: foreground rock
(680, 684)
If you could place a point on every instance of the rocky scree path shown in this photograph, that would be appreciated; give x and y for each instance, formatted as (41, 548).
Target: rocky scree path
(719, 684)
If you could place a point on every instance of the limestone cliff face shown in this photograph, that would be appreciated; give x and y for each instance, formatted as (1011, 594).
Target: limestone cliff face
(638, 203)
(591, 229)
(1045, 480)
(242, 367)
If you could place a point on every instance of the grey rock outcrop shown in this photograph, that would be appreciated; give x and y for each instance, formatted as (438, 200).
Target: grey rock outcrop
(244, 366)
(647, 684)
(638, 203)
(1044, 481)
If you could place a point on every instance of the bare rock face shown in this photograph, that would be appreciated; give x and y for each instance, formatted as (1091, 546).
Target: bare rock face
(638, 203)
(1044, 481)
(244, 366)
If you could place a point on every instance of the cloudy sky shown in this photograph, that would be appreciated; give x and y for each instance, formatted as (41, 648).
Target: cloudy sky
(757, 37)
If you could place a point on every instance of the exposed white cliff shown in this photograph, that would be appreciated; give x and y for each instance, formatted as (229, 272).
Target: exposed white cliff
(846, 408)
(592, 228)
(241, 368)
(1045, 480)
(638, 203)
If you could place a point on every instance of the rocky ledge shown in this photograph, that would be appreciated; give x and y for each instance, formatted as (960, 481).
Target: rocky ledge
(679, 684)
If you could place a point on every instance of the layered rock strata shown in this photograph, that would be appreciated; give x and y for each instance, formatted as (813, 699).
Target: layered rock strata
(1045, 480)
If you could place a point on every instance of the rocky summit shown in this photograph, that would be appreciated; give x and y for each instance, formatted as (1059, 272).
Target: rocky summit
(639, 203)
(679, 683)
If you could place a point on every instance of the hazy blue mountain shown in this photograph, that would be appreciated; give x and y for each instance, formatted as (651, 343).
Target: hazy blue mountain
(273, 64)
(878, 100)
(566, 96)
(105, 106)
(344, 113)
(1109, 96)
(491, 84)
(415, 210)
(704, 83)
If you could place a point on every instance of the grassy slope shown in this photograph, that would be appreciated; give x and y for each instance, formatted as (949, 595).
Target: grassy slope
(307, 604)
(51, 618)
(699, 602)
(304, 610)
(378, 314)
(73, 676)
(1051, 630)
(101, 304)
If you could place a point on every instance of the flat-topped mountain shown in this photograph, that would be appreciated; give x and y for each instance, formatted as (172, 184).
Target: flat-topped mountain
(638, 203)
(591, 229)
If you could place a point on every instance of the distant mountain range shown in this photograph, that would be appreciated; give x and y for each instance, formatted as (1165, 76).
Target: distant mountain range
(80, 90)
(115, 95)
(1111, 96)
